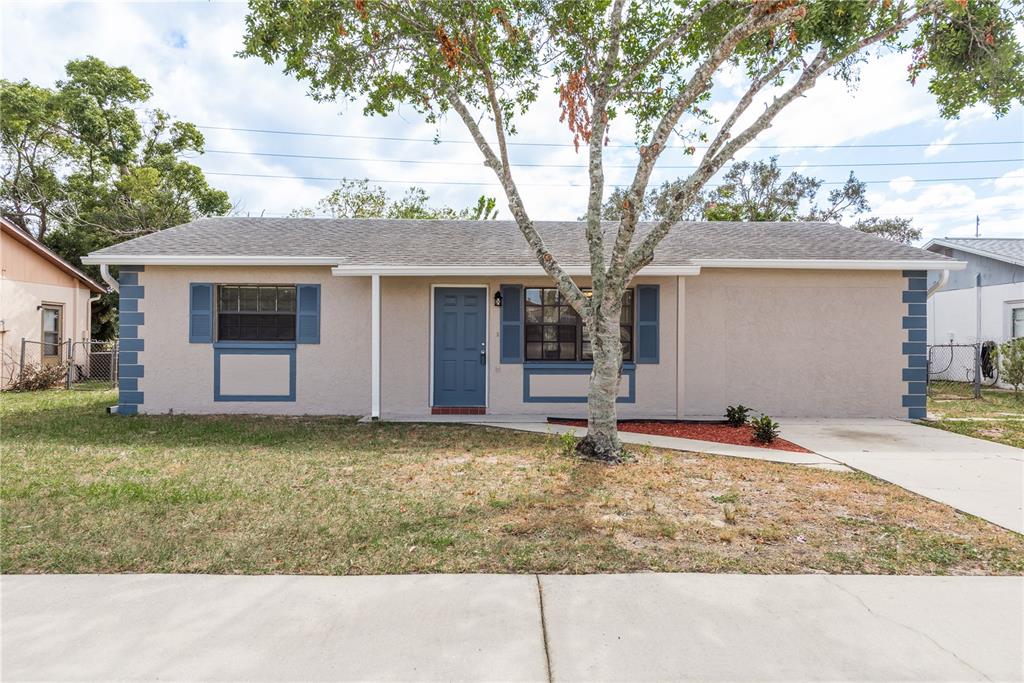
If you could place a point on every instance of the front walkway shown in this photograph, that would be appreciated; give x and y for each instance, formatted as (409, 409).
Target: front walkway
(485, 627)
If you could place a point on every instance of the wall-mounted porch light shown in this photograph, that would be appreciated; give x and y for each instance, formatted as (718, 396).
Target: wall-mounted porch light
(497, 299)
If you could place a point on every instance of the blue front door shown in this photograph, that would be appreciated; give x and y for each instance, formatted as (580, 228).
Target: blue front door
(460, 362)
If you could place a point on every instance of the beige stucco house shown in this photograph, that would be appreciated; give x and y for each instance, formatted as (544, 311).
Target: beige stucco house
(43, 299)
(392, 318)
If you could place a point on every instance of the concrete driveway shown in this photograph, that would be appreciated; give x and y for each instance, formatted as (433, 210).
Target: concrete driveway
(626, 627)
(982, 478)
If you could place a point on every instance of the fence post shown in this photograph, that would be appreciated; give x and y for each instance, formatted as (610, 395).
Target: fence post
(21, 361)
(67, 373)
(977, 370)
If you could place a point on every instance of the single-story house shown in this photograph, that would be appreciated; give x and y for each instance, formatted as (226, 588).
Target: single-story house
(392, 318)
(984, 301)
(981, 304)
(44, 300)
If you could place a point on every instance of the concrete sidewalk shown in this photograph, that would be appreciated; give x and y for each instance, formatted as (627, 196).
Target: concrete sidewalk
(485, 627)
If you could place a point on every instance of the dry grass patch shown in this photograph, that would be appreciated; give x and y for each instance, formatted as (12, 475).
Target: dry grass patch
(85, 492)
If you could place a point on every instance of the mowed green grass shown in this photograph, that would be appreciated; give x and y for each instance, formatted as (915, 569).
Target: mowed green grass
(997, 416)
(82, 491)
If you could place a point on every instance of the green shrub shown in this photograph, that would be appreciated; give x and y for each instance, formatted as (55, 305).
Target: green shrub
(766, 429)
(737, 415)
(1011, 362)
(567, 443)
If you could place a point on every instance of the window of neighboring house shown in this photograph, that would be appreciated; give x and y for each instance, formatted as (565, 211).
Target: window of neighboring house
(51, 329)
(555, 332)
(256, 312)
(1018, 322)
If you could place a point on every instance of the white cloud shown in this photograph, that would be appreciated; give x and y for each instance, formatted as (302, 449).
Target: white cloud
(939, 146)
(902, 185)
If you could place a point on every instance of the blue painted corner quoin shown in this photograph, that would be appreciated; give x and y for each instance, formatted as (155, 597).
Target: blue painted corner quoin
(130, 332)
(915, 348)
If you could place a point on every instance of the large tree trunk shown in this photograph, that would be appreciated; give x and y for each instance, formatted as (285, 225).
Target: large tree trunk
(602, 440)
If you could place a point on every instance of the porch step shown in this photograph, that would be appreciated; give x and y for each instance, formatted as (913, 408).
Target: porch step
(458, 410)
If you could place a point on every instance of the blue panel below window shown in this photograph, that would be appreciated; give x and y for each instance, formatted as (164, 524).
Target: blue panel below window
(917, 413)
(253, 349)
(534, 369)
(915, 375)
(917, 335)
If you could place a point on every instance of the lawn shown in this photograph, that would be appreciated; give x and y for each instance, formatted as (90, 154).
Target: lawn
(997, 416)
(86, 492)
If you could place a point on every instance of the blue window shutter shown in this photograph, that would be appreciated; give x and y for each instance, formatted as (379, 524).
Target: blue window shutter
(307, 319)
(200, 313)
(647, 324)
(511, 324)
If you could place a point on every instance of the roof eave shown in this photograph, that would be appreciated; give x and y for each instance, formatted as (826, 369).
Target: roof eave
(52, 257)
(977, 252)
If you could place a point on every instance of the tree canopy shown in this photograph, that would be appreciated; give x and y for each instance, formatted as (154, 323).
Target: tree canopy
(81, 170)
(759, 191)
(359, 199)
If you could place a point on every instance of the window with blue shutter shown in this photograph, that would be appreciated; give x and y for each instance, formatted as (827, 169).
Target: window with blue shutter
(647, 334)
(511, 324)
(307, 322)
(200, 313)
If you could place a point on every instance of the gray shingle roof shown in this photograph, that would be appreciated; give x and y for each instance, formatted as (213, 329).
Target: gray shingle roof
(1005, 249)
(383, 242)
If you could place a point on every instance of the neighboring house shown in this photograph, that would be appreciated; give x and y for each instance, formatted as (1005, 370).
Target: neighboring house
(43, 299)
(405, 318)
(993, 283)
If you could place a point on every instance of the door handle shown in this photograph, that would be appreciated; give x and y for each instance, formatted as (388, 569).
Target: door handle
(483, 351)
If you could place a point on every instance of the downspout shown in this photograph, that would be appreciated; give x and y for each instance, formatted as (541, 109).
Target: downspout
(939, 284)
(109, 279)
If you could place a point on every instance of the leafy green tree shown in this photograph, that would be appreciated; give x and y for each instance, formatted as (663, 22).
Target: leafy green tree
(655, 60)
(758, 191)
(80, 171)
(1011, 361)
(359, 199)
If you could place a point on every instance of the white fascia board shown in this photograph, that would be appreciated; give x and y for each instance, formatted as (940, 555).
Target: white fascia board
(495, 271)
(976, 252)
(831, 264)
(126, 260)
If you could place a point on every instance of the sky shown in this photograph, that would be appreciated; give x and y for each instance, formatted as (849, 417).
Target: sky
(186, 51)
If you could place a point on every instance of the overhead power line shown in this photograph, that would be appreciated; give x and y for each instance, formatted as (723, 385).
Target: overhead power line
(494, 183)
(391, 138)
(439, 162)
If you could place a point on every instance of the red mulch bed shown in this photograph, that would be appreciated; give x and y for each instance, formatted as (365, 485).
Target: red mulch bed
(718, 432)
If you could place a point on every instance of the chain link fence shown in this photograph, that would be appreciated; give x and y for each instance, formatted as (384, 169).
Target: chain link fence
(92, 365)
(69, 364)
(959, 371)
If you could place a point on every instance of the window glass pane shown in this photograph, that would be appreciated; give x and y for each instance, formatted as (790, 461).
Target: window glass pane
(533, 296)
(533, 351)
(51, 320)
(248, 299)
(268, 299)
(586, 353)
(228, 298)
(568, 351)
(566, 314)
(551, 351)
(534, 314)
(550, 314)
(550, 333)
(286, 299)
(551, 297)
(1018, 322)
(567, 333)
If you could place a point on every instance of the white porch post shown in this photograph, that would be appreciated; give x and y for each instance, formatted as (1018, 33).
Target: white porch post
(374, 347)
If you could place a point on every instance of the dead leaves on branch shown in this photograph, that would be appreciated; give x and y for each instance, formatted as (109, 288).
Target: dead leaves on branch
(572, 98)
